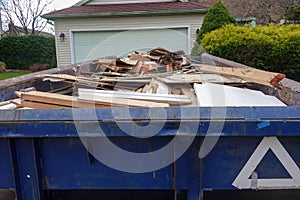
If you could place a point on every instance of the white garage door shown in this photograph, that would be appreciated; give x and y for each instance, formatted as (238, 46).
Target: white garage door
(95, 44)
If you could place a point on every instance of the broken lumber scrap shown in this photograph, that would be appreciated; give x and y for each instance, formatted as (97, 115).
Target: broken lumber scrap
(247, 74)
(59, 76)
(138, 57)
(146, 97)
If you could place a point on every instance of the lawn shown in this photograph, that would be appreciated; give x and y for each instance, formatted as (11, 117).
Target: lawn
(6, 75)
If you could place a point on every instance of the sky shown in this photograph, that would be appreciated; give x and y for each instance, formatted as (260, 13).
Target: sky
(55, 5)
(60, 4)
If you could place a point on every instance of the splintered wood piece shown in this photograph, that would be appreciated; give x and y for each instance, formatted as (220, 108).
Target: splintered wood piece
(129, 62)
(247, 74)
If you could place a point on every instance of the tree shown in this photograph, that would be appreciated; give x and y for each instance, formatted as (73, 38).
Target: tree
(216, 17)
(293, 13)
(26, 13)
(265, 11)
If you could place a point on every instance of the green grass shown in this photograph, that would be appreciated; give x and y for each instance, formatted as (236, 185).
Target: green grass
(6, 75)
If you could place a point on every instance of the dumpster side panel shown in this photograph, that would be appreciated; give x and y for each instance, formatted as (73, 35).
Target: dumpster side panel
(233, 154)
(7, 179)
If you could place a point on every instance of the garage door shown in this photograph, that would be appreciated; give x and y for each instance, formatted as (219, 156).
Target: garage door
(95, 44)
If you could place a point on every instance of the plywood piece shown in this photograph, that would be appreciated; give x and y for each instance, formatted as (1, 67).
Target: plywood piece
(247, 74)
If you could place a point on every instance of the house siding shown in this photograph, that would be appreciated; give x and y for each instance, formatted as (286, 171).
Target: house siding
(68, 25)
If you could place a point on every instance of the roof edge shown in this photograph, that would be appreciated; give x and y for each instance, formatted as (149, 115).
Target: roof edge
(120, 14)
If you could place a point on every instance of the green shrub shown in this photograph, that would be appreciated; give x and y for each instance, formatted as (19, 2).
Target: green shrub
(293, 13)
(20, 52)
(272, 48)
(2, 66)
(216, 17)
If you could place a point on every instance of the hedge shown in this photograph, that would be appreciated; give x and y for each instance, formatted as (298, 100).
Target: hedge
(273, 48)
(20, 52)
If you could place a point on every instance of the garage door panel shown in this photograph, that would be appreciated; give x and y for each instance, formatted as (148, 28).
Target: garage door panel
(92, 45)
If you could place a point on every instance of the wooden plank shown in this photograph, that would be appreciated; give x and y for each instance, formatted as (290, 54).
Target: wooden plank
(39, 105)
(58, 100)
(166, 98)
(197, 78)
(247, 74)
(46, 97)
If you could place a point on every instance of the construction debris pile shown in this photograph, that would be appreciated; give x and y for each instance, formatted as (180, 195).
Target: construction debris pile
(158, 78)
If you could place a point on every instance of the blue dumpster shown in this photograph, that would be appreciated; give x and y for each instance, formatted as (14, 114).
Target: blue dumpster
(43, 153)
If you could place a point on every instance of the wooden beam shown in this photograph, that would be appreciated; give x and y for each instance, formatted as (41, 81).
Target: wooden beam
(39, 105)
(58, 100)
(247, 74)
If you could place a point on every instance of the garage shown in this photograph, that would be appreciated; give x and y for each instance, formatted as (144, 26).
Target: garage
(89, 45)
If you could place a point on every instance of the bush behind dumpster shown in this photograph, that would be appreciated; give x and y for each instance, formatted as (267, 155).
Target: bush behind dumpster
(274, 47)
(20, 52)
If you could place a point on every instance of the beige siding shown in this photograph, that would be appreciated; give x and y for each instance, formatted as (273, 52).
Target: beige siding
(68, 25)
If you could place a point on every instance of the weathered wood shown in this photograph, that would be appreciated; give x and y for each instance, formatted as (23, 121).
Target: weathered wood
(247, 74)
(197, 78)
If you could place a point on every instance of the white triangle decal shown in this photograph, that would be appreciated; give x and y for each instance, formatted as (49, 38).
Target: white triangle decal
(243, 181)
